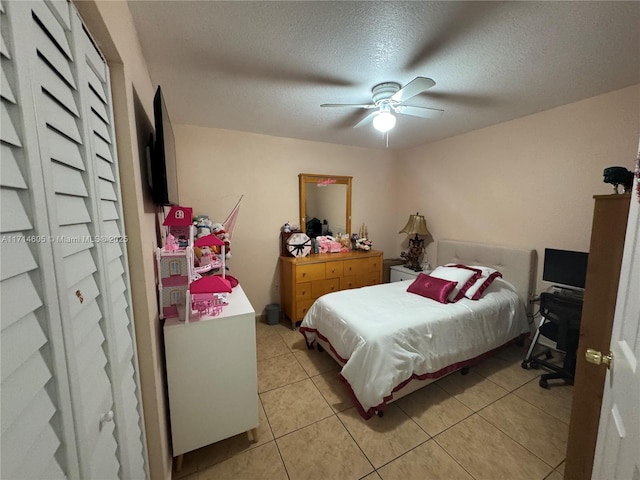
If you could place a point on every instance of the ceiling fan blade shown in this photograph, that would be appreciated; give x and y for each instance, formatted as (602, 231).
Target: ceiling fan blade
(349, 105)
(366, 120)
(413, 88)
(423, 112)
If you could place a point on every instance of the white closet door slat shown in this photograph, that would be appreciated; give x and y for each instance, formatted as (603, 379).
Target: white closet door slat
(64, 150)
(18, 287)
(74, 238)
(96, 85)
(16, 258)
(40, 464)
(50, 53)
(8, 134)
(78, 266)
(50, 24)
(13, 440)
(67, 180)
(87, 289)
(103, 151)
(61, 11)
(106, 191)
(99, 108)
(71, 210)
(23, 392)
(60, 119)
(56, 87)
(100, 128)
(6, 93)
(19, 343)
(10, 175)
(14, 218)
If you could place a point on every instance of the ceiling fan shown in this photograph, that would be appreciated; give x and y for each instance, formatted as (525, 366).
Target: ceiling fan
(388, 98)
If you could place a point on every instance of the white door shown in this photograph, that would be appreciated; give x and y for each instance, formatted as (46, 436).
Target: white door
(69, 385)
(617, 455)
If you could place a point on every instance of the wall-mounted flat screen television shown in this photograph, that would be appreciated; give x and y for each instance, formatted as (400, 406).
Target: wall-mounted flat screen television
(163, 178)
(565, 268)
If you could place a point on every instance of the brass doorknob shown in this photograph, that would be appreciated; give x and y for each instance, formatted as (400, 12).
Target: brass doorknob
(594, 356)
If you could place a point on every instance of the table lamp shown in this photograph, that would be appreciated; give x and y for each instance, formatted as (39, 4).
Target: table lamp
(416, 225)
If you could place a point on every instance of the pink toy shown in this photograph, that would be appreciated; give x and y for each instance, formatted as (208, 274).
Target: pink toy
(171, 244)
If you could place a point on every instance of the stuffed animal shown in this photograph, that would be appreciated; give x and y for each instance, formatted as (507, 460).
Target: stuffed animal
(218, 230)
(203, 225)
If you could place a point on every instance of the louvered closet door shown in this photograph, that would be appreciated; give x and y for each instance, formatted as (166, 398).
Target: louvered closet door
(74, 156)
(37, 433)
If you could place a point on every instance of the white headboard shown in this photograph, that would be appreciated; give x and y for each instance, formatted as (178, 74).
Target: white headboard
(516, 264)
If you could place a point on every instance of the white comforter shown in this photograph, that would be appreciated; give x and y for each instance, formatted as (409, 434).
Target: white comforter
(384, 335)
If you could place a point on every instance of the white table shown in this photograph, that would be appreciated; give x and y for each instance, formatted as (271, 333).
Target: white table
(212, 376)
(400, 273)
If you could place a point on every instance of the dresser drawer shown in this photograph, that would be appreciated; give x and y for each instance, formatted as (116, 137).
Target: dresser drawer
(302, 307)
(320, 287)
(333, 269)
(372, 278)
(358, 266)
(303, 291)
(308, 273)
(375, 265)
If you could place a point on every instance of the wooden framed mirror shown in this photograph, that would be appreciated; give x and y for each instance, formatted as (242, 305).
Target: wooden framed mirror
(325, 204)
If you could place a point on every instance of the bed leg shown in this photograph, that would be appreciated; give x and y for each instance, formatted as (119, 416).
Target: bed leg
(319, 347)
(464, 370)
(380, 413)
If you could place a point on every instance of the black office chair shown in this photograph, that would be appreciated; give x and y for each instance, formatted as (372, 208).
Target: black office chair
(560, 323)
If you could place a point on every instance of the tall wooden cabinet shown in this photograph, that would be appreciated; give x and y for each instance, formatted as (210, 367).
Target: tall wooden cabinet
(304, 279)
(603, 272)
(70, 393)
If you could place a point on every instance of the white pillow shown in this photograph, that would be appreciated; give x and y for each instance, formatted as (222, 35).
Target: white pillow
(488, 275)
(465, 277)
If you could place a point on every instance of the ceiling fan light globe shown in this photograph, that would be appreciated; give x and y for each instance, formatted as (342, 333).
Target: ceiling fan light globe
(384, 121)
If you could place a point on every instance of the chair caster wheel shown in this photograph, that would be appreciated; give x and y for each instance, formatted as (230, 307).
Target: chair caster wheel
(543, 383)
(525, 365)
(534, 365)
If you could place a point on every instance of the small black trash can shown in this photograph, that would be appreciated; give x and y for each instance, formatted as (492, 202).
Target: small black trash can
(273, 314)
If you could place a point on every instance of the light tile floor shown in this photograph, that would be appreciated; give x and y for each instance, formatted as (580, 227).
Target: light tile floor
(494, 423)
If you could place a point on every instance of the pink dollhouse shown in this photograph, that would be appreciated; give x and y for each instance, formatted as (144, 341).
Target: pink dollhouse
(179, 223)
(182, 292)
(208, 295)
(175, 273)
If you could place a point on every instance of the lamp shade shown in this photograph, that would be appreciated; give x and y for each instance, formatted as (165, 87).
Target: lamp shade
(416, 225)
(384, 121)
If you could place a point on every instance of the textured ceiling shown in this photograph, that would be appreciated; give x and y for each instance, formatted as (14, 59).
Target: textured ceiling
(266, 67)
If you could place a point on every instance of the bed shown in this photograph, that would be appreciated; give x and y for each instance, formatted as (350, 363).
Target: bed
(390, 342)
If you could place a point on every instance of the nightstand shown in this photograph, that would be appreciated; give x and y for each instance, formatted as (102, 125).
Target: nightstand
(400, 273)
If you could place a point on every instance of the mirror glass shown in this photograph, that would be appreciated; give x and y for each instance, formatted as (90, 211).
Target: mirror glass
(325, 204)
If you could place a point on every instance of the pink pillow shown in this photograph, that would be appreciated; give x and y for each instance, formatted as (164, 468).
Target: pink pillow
(464, 277)
(432, 287)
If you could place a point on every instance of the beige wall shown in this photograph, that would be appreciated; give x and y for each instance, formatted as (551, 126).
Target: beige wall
(528, 182)
(216, 167)
(111, 25)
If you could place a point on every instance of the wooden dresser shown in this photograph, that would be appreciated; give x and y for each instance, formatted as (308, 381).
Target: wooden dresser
(303, 280)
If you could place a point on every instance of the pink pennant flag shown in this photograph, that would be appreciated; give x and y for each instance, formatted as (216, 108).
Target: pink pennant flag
(230, 222)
